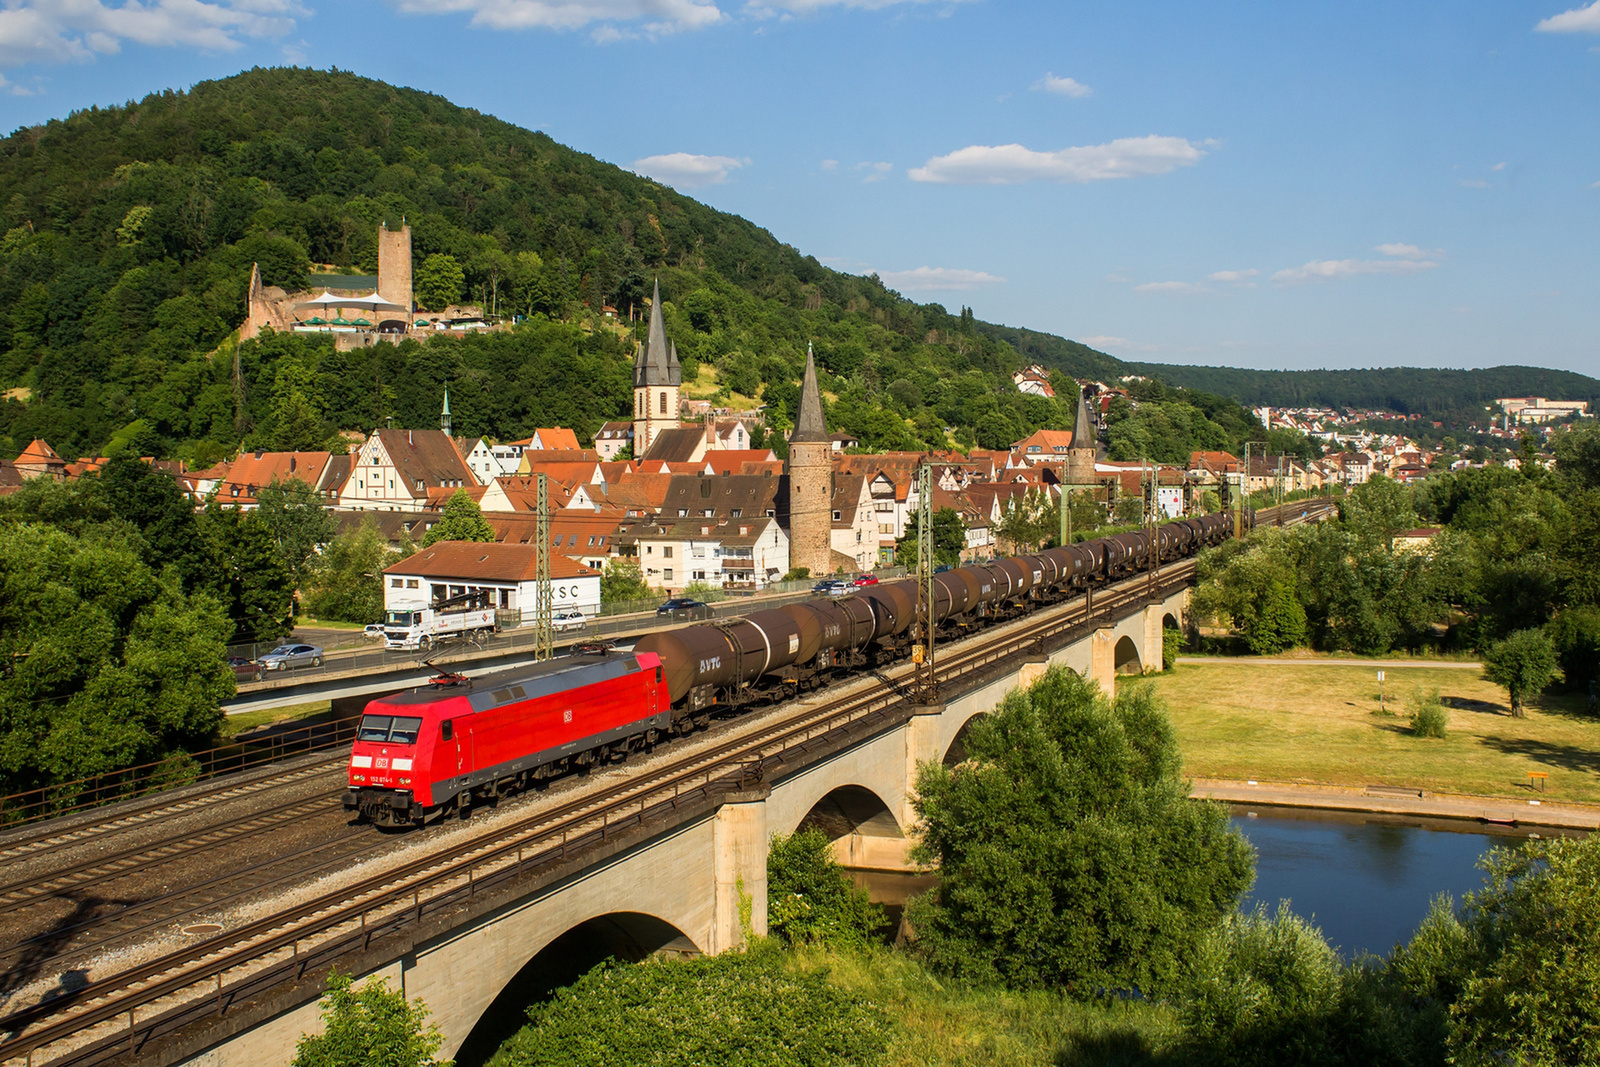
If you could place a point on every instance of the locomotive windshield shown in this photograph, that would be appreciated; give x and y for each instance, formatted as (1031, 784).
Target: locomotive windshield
(394, 729)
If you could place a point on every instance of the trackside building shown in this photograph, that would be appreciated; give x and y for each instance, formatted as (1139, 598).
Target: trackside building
(508, 573)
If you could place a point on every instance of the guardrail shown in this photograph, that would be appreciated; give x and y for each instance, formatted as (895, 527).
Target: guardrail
(240, 754)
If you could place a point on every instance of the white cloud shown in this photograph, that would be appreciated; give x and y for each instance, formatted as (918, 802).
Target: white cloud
(1102, 339)
(1170, 287)
(938, 279)
(1062, 86)
(876, 172)
(655, 18)
(1126, 157)
(830, 164)
(1325, 270)
(1233, 275)
(684, 170)
(1498, 166)
(1577, 20)
(1401, 251)
(61, 31)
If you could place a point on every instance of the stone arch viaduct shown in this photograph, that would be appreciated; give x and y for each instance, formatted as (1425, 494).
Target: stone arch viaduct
(694, 888)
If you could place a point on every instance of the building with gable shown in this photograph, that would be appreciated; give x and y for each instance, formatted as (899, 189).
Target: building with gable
(39, 460)
(397, 470)
(325, 472)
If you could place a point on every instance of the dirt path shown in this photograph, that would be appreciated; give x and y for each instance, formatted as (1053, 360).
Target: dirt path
(1394, 800)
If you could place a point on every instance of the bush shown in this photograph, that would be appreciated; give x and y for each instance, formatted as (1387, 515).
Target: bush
(1428, 717)
(1265, 990)
(1171, 645)
(704, 591)
(1069, 851)
(1532, 993)
(810, 899)
(373, 1026)
(739, 1008)
(1280, 624)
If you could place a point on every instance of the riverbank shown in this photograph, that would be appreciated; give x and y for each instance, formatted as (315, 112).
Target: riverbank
(1321, 724)
(1391, 800)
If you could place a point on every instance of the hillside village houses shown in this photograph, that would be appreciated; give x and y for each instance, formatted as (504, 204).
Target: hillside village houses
(693, 502)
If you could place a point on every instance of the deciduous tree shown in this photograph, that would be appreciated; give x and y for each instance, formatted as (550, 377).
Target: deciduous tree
(1523, 664)
(461, 520)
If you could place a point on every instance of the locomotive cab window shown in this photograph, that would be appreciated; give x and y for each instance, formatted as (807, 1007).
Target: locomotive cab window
(374, 728)
(447, 730)
(399, 730)
(404, 730)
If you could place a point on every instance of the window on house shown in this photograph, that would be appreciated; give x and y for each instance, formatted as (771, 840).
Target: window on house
(666, 552)
(738, 512)
(771, 513)
(699, 576)
(837, 516)
(411, 583)
(663, 402)
(666, 575)
(396, 583)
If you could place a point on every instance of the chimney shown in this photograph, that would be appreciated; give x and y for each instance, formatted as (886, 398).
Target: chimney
(291, 463)
(259, 452)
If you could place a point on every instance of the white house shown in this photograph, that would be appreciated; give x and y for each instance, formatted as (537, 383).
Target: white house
(672, 554)
(395, 470)
(509, 573)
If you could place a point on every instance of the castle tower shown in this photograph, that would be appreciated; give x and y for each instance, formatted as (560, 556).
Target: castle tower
(394, 265)
(810, 469)
(1080, 455)
(656, 377)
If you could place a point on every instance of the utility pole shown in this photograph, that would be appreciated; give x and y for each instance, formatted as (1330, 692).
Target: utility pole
(922, 651)
(1152, 555)
(542, 595)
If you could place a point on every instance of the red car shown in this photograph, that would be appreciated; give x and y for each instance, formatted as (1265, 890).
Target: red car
(438, 748)
(866, 579)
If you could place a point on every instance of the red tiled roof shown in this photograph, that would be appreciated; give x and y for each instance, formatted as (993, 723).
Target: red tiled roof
(485, 561)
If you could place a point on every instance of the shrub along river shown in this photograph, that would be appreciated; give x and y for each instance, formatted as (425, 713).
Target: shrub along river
(1366, 880)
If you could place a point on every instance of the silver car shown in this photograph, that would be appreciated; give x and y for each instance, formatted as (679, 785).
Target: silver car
(288, 657)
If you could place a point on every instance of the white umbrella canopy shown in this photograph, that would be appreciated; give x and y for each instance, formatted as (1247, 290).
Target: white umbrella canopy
(373, 302)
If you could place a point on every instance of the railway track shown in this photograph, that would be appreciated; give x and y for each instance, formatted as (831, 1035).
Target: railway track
(56, 835)
(101, 1021)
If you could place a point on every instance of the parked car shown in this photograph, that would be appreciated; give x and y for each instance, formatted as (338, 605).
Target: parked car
(288, 657)
(866, 579)
(682, 607)
(373, 630)
(823, 586)
(833, 587)
(568, 619)
(244, 670)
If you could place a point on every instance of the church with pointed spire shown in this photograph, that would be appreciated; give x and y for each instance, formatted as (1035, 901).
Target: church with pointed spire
(1085, 443)
(656, 379)
(810, 471)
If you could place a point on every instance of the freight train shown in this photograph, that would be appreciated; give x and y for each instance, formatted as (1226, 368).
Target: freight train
(458, 741)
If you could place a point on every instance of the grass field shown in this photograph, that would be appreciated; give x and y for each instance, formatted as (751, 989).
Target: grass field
(1320, 724)
(946, 1025)
(234, 725)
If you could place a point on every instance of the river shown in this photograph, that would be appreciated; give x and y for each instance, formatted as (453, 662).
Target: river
(1366, 880)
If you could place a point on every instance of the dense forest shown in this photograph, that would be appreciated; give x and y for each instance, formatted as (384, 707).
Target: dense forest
(130, 232)
(1457, 395)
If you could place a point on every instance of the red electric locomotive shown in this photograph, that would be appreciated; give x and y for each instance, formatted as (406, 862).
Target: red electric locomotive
(433, 750)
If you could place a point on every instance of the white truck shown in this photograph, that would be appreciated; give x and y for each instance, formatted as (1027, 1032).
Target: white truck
(419, 627)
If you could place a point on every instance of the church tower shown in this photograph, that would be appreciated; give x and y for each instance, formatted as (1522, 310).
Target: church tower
(810, 469)
(656, 377)
(1080, 455)
(445, 422)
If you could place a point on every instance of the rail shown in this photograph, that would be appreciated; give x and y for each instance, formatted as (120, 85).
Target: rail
(348, 919)
(314, 933)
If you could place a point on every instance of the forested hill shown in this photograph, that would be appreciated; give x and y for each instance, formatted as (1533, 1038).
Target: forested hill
(130, 231)
(1407, 390)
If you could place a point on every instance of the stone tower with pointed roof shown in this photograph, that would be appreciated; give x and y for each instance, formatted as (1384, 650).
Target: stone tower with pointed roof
(1080, 456)
(656, 377)
(445, 422)
(810, 469)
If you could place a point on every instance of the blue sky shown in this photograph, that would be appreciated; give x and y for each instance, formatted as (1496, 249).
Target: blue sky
(1268, 185)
